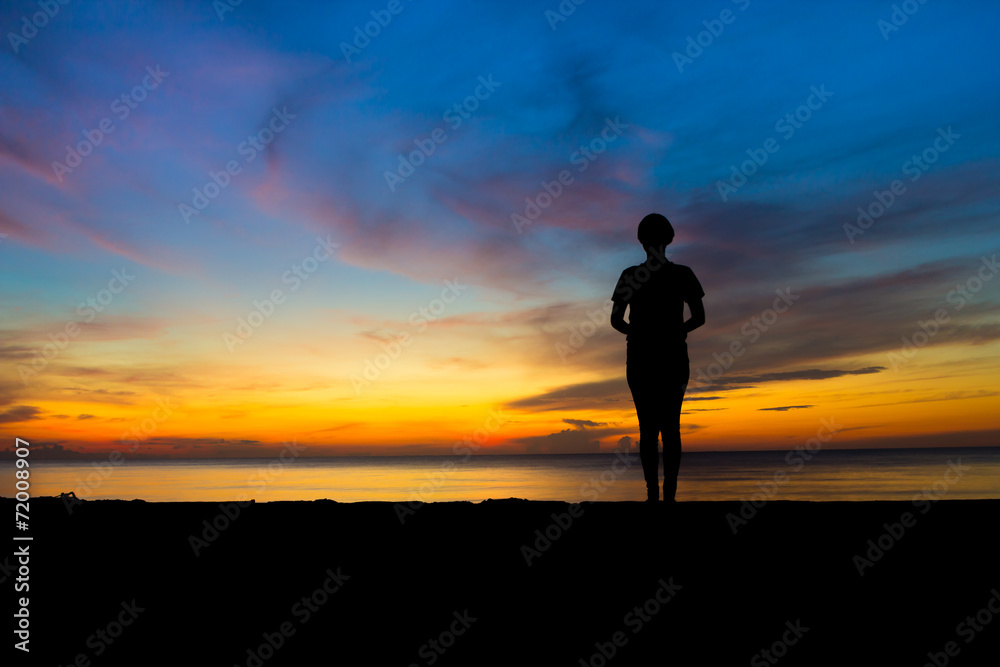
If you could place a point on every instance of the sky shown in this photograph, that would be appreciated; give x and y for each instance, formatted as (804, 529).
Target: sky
(394, 227)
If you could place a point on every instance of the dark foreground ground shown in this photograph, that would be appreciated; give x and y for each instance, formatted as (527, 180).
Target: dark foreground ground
(118, 582)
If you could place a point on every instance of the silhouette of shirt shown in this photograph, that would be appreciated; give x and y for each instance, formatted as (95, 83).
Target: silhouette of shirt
(656, 298)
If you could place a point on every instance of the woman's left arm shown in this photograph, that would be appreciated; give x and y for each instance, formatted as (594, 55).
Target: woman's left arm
(618, 316)
(697, 315)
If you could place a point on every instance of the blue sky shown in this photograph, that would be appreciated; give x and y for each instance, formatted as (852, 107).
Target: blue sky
(324, 174)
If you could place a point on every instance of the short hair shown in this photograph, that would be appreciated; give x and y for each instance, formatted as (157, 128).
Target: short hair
(655, 230)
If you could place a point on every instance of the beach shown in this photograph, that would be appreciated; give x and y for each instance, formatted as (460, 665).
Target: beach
(510, 582)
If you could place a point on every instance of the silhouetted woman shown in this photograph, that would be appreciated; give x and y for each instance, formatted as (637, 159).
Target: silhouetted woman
(657, 365)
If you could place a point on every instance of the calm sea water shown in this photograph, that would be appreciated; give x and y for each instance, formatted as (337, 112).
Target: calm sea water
(830, 475)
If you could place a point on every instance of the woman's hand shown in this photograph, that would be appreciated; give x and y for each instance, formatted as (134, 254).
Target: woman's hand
(697, 316)
(618, 317)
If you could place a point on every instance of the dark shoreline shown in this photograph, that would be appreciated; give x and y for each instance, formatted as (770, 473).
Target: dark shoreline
(650, 583)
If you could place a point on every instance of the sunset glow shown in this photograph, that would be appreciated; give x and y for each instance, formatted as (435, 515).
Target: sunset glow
(394, 248)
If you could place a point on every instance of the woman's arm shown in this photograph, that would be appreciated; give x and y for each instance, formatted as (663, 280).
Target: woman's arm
(618, 317)
(697, 315)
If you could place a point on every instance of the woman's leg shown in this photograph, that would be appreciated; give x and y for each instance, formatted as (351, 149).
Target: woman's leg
(643, 388)
(674, 385)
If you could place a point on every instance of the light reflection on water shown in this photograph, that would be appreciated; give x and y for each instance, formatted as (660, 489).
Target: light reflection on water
(830, 475)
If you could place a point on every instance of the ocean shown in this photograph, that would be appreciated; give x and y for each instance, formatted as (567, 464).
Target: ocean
(885, 474)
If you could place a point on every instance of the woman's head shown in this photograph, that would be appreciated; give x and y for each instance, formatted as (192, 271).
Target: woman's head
(655, 231)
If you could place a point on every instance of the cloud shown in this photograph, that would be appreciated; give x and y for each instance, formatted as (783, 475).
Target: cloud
(109, 327)
(785, 408)
(605, 393)
(615, 393)
(733, 382)
(15, 351)
(85, 416)
(324, 174)
(102, 392)
(858, 311)
(103, 396)
(567, 441)
(47, 451)
(583, 438)
(20, 413)
(950, 396)
(583, 424)
(172, 441)
(812, 374)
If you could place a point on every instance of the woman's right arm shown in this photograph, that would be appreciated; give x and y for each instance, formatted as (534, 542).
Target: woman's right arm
(619, 301)
(618, 316)
(697, 315)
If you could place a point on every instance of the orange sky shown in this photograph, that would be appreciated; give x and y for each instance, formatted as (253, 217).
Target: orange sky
(504, 392)
(271, 241)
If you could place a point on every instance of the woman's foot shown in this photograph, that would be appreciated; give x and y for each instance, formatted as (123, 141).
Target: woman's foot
(669, 492)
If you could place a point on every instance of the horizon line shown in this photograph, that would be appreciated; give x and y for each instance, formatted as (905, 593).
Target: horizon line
(99, 456)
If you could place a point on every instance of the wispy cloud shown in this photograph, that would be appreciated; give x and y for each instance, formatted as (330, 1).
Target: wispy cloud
(20, 413)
